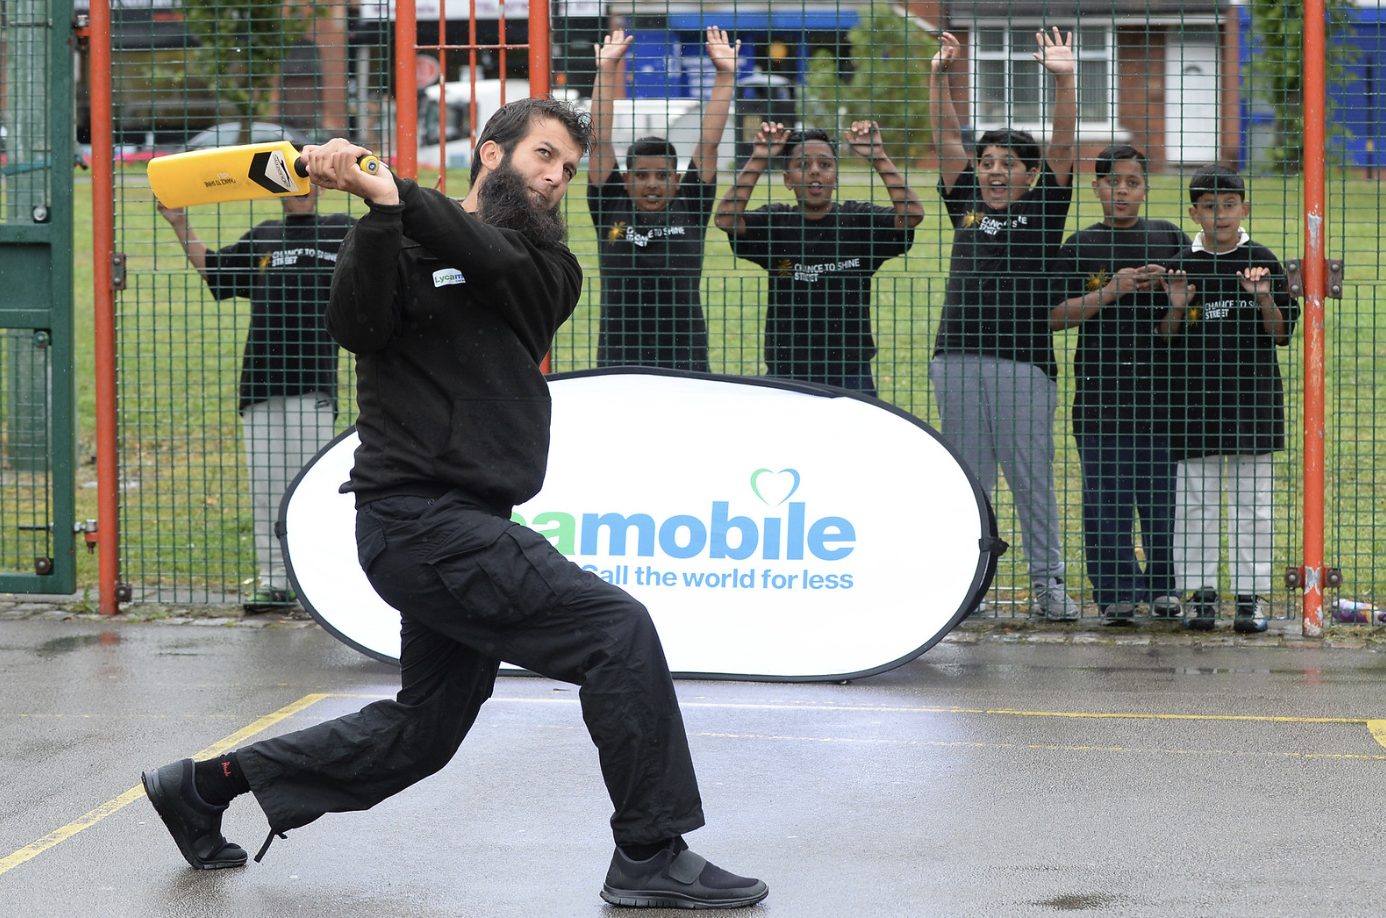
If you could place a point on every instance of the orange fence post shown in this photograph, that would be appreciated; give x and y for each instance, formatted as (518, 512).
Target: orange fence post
(539, 48)
(1315, 275)
(406, 95)
(405, 160)
(103, 300)
(539, 62)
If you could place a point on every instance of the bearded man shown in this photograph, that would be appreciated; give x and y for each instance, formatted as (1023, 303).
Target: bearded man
(450, 308)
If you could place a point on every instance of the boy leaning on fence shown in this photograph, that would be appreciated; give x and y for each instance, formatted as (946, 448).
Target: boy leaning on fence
(1233, 402)
(993, 371)
(1123, 299)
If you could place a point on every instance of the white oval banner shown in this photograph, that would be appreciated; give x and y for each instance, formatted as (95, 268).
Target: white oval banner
(774, 530)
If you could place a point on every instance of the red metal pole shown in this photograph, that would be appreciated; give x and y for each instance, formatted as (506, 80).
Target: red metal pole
(405, 161)
(103, 299)
(1315, 286)
(540, 48)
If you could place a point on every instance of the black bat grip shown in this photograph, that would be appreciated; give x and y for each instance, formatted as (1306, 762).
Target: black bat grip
(369, 164)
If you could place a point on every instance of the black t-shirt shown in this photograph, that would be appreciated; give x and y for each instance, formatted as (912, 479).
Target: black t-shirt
(999, 276)
(1121, 371)
(1233, 399)
(284, 267)
(818, 311)
(651, 266)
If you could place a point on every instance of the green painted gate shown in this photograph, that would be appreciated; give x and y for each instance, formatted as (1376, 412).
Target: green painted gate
(37, 424)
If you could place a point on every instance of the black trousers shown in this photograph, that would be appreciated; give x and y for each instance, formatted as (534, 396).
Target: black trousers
(473, 589)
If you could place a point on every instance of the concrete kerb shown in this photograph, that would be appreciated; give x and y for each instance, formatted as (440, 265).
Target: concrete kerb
(1283, 632)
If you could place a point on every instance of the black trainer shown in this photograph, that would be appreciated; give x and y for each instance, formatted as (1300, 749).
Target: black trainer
(1203, 608)
(194, 824)
(269, 600)
(1250, 617)
(677, 878)
(1119, 613)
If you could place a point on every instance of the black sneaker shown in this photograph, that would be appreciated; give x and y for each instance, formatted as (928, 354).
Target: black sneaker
(1168, 606)
(1203, 609)
(1119, 613)
(194, 824)
(266, 600)
(1250, 617)
(677, 878)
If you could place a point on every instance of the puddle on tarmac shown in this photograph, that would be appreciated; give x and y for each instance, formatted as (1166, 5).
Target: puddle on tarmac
(1081, 902)
(63, 645)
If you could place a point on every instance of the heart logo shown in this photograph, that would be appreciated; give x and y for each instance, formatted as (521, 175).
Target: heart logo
(774, 488)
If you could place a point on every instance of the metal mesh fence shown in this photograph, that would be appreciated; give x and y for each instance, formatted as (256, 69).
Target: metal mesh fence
(35, 326)
(26, 475)
(1186, 84)
(228, 383)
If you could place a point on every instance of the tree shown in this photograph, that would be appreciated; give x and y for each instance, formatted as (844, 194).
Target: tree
(1277, 69)
(885, 79)
(243, 44)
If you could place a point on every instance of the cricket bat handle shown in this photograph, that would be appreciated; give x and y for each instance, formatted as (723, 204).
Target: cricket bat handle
(369, 165)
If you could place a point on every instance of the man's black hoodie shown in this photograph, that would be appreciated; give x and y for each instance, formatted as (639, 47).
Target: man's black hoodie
(449, 319)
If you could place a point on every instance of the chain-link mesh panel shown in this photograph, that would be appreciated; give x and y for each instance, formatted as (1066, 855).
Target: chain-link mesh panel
(36, 346)
(974, 282)
(228, 382)
(26, 450)
(1143, 436)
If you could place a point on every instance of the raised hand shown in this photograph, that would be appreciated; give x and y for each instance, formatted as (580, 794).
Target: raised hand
(610, 51)
(1177, 286)
(949, 50)
(1255, 281)
(720, 51)
(864, 139)
(334, 165)
(770, 139)
(1055, 52)
(174, 215)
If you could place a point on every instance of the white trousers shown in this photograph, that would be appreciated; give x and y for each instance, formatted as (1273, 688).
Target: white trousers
(1247, 482)
(281, 435)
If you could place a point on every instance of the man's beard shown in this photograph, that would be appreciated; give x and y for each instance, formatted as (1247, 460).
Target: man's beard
(505, 201)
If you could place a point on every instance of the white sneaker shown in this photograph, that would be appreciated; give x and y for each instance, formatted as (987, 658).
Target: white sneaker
(1050, 602)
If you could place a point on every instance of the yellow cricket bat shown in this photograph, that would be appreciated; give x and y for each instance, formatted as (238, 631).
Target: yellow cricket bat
(242, 173)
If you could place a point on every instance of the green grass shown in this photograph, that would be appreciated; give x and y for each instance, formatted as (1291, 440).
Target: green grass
(185, 523)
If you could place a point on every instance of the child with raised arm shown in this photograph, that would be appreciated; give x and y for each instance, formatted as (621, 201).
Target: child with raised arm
(819, 254)
(1125, 297)
(993, 371)
(651, 223)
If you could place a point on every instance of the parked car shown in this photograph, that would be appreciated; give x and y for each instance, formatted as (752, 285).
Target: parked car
(229, 133)
(457, 117)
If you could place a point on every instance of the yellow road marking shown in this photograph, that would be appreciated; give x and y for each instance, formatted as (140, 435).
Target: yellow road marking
(1377, 728)
(1015, 712)
(1046, 747)
(115, 804)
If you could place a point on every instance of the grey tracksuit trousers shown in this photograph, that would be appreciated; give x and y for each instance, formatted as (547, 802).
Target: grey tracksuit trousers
(1001, 412)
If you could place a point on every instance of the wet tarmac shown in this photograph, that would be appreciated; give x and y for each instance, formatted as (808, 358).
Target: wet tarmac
(1005, 776)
